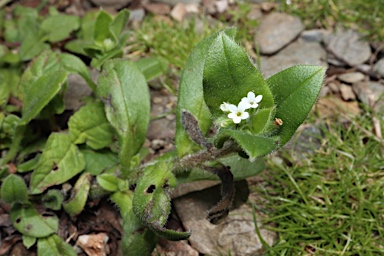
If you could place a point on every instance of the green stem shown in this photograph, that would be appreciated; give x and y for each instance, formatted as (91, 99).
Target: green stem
(18, 136)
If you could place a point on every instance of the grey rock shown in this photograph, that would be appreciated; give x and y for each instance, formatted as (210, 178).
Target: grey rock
(314, 35)
(255, 14)
(113, 4)
(189, 187)
(296, 53)
(379, 67)
(347, 92)
(352, 77)
(370, 92)
(348, 46)
(236, 234)
(276, 31)
(76, 91)
(174, 2)
(335, 87)
(136, 15)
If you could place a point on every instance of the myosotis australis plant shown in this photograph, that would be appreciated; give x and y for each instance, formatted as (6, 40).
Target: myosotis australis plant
(219, 87)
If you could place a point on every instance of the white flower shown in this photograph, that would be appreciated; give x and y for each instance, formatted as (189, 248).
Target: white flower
(238, 113)
(224, 107)
(251, 101)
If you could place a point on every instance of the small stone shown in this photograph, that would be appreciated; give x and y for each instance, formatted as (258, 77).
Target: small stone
(76, 91)
(221, 6)
(313, 35)
(370, 93)
(157, 144)
(178, 12)
(324, 91)
(113, 4)
(379, 68)
(276, 31)
(157, 8)
(268, 6)
(161, 129)
(94, 244)
(255, 13)
(332, 107)
(157, 100)
(297, 52)
(352, 77)
(349, 46)
(334, 87)
(136, 15)
(347, 92)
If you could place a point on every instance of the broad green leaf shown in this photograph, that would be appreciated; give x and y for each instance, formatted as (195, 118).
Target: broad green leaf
(119, 22)
(47, 61)
(101, 32)
(29, 165)
(10, 33)
(229, 75)
(190, 96)
(29, 222)
(14, 190)
(152, 67)
(89, 125)
(125, 93)
(111, 183)
(53, 199)
(295, 91)
(241, 168)
(31, 46)
(152, 202)
(40, 93)
(253, 145)
(74, 64)
(79, 195)
(98, 161)
(9, 80)
(54, 245)
(28, 241)
(136, 240)
(58, 27)
(261, 122)
(59, 162)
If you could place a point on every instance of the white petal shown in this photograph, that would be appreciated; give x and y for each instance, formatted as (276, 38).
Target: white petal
(243, 106)
(258, 98)
(232, 108)
(236, 119)
(244, 115)
(224, 107)
(251, 95)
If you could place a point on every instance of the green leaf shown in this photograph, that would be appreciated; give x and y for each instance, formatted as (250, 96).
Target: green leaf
(40, 93)
(54, 245)
(28, 241)
(295, 90)
(31, 46)
(125, 93)
(58, 27)
(59, 162)
(229, 75)
(89, 125)
(101, 31)
(152, 202)
(29, 222)
(152, 67)
(53, 199)
(119, 22)
(261, 122)
(74, 64)
(254, 145)
(136, 240)
(9, 80)
(190, 96)
(98, 161)
(79, 195)
(111, 183)
(14, 190)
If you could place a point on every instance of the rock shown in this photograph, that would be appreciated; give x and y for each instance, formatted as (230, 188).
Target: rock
(136, 15)
(347, 92)
(157, 8)
(76, 91)
(236, 234)
(276, 31)
(178, 12)
(314, 35)
(255, 13)
(370, 92)
(185, 188)
(221, 6)
(335, 87)
(379, 68)
(171, 248)
(296, 53)
(352, 77)
(94, 244)
(332, 107)
(161, 129)
(348, 46)
(174, 2)
(112, 4)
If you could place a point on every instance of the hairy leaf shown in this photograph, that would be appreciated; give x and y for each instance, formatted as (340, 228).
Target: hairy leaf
(79, 195)
(54, 245)
(14, 190)
(58, 27)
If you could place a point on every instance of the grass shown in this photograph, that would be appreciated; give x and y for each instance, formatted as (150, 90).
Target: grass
(365, 15)
(332, 203)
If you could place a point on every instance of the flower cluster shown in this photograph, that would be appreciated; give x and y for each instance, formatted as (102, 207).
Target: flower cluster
(238, 113)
